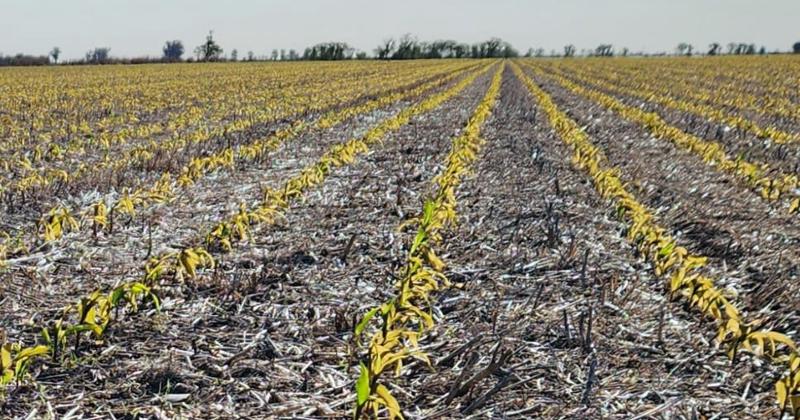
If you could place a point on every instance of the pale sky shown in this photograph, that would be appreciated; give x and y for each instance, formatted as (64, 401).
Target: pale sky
(137, 28)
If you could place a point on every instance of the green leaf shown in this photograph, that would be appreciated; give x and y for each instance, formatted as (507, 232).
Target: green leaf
(362, 385)
(364, 321)
(663, 252)
(419, 239)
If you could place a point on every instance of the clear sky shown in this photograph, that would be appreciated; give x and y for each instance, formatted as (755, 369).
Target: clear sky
(136, 28)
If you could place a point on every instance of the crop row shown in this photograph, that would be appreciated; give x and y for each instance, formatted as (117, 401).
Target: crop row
(92, 315)
(405, 317)
(99, 215)
(768, 80)
(225, 119)
(652, 90)
(770, 184)
(698, 88)
(672, 261)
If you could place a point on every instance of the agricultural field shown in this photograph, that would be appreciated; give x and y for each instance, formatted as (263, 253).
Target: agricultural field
(527, 238)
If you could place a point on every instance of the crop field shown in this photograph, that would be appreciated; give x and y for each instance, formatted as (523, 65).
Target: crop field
(526, 238)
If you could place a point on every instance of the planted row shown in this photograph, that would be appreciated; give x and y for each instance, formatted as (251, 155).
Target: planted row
(405, 317)
(673, 262)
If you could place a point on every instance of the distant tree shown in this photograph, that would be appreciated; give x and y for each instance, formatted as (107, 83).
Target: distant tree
(731, 47)
(493, 47)
(569, 50)
(98, 55)
(293, 55)
(713, 48)
(234, 55)
(439, 49)
(461, 50)
(329, 51)
(361, 55)
(762, 50)
(251, 56)
(210, 50)
(683, 48)
(604, 50)
(407, 48)
(529, 53)
(742, 48)
(24, 60)
(274, 55)
(796, 48)
(539, 52)
(55, 53)
(625, 51)
(173, 50)
(385, 49)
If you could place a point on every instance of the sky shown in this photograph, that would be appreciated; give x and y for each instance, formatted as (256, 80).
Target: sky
(140, 28)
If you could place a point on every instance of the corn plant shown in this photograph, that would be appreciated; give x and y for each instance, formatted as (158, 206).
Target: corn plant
(57, 222)
(15, 361)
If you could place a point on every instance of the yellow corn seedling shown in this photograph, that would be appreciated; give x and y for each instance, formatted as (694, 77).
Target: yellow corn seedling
(92, 315)
(685, 280)
(15, 360)
(57, 222)
(405, 317)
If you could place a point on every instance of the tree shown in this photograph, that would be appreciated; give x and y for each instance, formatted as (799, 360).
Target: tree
(210, 50)
(251, 56)
(54, 53)
(173, 50)
(714, 48)
(461, 50)
(98, 55)
(385, 49)
(684, 49)
(796, 48)
(604, 50)
(407, 48)
(274, 55)
(569, 50)
(329, 51)
(762, 50)
(234, 55)
(293, 55)
(492, 47)
(731, 47)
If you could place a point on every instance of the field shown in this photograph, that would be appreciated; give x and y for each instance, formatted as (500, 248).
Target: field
(528, 238)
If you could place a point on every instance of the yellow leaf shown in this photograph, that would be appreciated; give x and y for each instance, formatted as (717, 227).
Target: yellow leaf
(391, 403)
(781, 393)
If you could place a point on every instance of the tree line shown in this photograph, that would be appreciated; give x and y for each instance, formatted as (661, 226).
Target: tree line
(406, 47)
